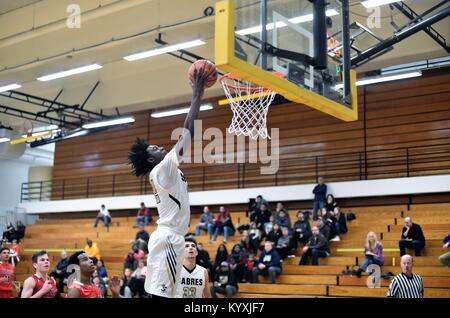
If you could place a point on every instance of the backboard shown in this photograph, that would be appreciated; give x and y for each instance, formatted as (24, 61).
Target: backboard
(287, 47)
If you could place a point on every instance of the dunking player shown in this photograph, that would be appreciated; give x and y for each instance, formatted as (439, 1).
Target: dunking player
(194, 278)
(166, 245)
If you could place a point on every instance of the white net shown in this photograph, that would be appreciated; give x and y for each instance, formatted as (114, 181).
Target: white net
(250, 105)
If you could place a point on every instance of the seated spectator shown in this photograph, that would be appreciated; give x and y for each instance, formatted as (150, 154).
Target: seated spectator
(274, 235)
(316, 247)
(92, 251)
(97, 281)
(103, 215)
(143, 216)
(445, 258)
(261, 217)
(203, 258)
(283, 221)
(142, 235)
(280, 207)
(221, 256)
(20, 230)
(412, 237)
(284, 247)
(129, 261)
(102, 273)
(139, 276)
(269, 264)
(301, 231)
(268, 226)
(373, 252)
(331, 203)
(248, 276)
(330, 221)
(223, 223)
(8, 235)
(341, 224)
(224, 282)
(323, 228)
(15, 252)
(127, 284)
(237, 261)
(255, 235)
(206, 223)
(61, 272)
(257, 204)
(248, 245)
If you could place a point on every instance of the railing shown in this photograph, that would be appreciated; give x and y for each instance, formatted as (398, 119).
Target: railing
(394, 163)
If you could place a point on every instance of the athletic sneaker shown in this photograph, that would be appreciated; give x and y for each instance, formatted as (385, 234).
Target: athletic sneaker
(336, 239)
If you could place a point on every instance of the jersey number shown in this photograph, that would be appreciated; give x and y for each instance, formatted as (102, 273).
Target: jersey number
(183, 178)
(158, 200)
(189, 292)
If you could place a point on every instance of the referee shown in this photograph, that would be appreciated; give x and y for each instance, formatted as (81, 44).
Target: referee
(406, 284)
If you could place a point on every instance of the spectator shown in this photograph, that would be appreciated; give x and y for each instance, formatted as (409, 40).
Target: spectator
(302, 230)
(15, 251)
(206, 223)
(330, 221)
(103, 215)
(129, 260)
(406, 284)
(373, 252)
(237, 261)
(412, 237)
(61, 272)
(445, 258)
(323, 228)
(143, 215)
(102, 272)
(127, 284)
(97, 281)
(341, 224)
(142, 235)
(20, 230)
(248, 276)
(261, 217)
(255, 236)
(92, 251)
(280, 207)
(6, 275)
(8, 235)
(331, 203)
(224, 282)
(139, 275)
(316, 247)
(247, 244)
(223, 223)
(221, 256)
(258, 202)
(268, 226)
(203, 258)
(320, 191)
(274, 235)
(284, 244)
(269, 263)
(283, 221)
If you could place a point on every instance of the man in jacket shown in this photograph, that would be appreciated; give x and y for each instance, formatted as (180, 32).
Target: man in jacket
(412, 237)
(316, 247)
(269, 263)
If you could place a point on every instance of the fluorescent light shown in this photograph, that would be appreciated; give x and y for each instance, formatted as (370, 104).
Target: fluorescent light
(164, 49)
(295, 20)
(74, 71)
(112, 122)
(77, 134)
(4, 139)
(178, 111)
(9, 87)
(383, 79)
(376, 3)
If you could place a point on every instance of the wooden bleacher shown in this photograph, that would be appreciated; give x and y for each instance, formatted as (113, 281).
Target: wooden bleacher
(325, 280)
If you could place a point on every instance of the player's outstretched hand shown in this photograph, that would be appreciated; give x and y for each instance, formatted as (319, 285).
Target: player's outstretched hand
(114, 286)
(200, 78)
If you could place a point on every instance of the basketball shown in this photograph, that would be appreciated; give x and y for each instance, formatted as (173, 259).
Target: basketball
(208, 67)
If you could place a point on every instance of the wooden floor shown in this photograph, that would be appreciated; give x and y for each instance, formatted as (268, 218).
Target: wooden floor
(325, 280)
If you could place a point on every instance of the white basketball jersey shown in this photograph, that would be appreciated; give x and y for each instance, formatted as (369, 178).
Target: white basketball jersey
(193, 282)
(171, 194)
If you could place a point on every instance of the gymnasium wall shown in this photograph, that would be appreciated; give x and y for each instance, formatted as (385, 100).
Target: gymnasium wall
(392, 116)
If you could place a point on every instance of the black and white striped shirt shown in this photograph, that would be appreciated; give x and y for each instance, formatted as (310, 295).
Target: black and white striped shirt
(403, 286)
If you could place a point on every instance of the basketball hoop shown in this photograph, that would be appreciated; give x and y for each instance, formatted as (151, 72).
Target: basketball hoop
(250, 104)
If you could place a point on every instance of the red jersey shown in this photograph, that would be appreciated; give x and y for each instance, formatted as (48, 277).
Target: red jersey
(39, 283)
(6, 270)
(87, 291)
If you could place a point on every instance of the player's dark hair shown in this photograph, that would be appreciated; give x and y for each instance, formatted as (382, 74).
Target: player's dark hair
(35, 256)
(190, 239)
(73, 259)
(4, 248)
(138, 158)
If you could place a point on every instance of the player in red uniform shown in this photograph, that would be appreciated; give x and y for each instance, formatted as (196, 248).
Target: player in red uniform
(6, 274)
(82, 286)
(41, 284)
